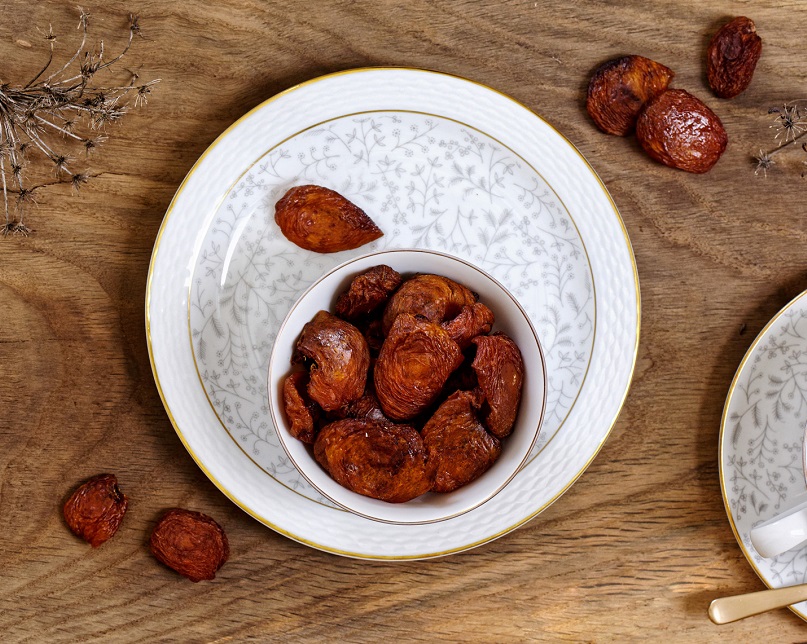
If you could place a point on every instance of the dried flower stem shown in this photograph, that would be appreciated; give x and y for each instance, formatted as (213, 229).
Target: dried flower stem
(66, 106)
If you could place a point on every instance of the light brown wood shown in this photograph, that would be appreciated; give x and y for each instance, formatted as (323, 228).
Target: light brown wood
(637, 548)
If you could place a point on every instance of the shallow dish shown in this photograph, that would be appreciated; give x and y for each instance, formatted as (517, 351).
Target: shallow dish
(762, 441)
(510, 319)
(450, 165)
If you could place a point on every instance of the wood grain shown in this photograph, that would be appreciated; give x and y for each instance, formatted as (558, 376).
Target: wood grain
(636, 549)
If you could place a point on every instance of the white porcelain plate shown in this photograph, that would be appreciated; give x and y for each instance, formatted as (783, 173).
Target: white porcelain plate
(761, 440)
(440, 163)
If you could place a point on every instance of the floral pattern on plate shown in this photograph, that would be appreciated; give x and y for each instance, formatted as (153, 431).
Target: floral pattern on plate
(428, 182)
(762, 439)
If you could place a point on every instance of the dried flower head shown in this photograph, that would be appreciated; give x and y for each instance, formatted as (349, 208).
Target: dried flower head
(763, 162)
(790, 123)
(787, 123)
(56, 108)
(78, 180)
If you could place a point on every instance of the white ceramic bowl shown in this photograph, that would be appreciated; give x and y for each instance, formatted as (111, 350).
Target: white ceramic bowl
(510, 319)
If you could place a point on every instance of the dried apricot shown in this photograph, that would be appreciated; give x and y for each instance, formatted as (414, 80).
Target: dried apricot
(500, 371)
(302, 412)
(732, 57)
(680, 131)
(619, 89)
(457, 443)
(366, 407)
(319, 219)
(367, 292)
(433, 297)
(191, 543)
(414, 364)
(341, 359)
(472, 321)
(375, 459)
(95, 510)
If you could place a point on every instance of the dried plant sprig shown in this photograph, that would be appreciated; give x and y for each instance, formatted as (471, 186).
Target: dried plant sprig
(790, 125)
(60, 108)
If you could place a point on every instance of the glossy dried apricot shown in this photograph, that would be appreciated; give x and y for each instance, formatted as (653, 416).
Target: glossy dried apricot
(679, 130)
(367, 292)
(457, 443)
(321, 220)
(340, 358)
(95, 510)
(500, 371)
(415, 361)
(619, 89)
(732, 57)
(302, 413)
(375, 459)
(433, 297)
(366, 407)
(472, 321)
(191, 543)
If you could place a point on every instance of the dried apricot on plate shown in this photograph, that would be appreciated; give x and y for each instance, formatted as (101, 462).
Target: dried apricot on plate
(95, 510)
(375, 459)
(500, 371)
(415, 361)
(433, 297)
(367, 292)
(679, 130)
(319, 219)
(301, 412)
(619, 88)
(457, 443)
(341, 359)
(191, 543)
(732, 57)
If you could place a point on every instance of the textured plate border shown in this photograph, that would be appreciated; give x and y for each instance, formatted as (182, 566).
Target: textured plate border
(721, 443)
(156, 307)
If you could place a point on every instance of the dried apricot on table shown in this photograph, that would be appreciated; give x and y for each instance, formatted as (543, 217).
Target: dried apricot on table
(433, 297)
(732, 57)
(95, 510)
(367, 292)
(375, 459)
(679, 130)
(619, 89)
(414, 363)
(319, 219)
(340, 358)
(457, 443)
(500, 371)
(191, 543)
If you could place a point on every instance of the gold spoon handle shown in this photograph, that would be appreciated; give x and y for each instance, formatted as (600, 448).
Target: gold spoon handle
(730, 609)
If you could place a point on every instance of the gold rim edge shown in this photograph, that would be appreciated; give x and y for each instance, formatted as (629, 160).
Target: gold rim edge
(723, 417)
(218, 484)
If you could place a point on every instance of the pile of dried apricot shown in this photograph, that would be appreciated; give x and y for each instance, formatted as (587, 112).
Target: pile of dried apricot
(404, 390)
(191, 543)
(673, 126)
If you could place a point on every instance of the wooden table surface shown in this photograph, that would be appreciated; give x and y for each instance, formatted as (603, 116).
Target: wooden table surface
(637, 548)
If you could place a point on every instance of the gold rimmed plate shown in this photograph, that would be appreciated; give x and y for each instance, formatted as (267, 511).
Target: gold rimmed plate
(440, 163)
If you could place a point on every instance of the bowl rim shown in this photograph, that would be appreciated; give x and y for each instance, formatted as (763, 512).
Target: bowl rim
(274, 408)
